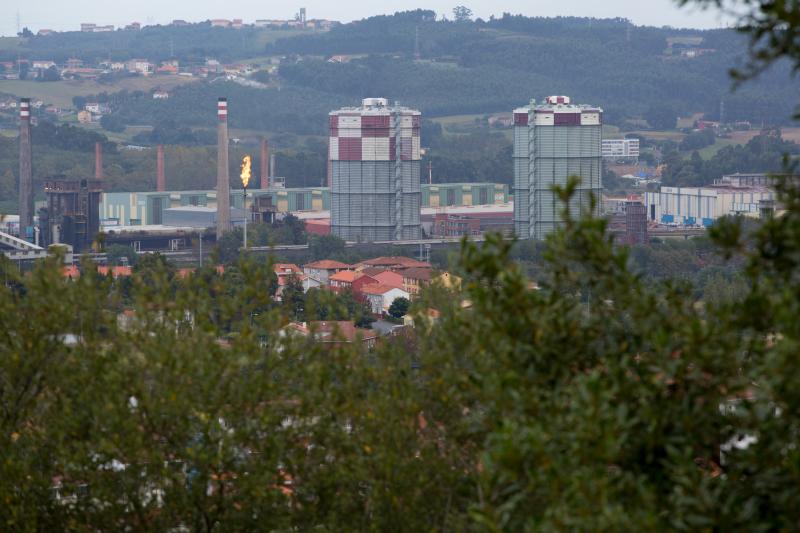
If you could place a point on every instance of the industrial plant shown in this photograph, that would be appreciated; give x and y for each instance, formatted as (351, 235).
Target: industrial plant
(552, 142)
(374, 166)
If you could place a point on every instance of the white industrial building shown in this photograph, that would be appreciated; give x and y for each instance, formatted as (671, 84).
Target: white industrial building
(620, 148)
(701, 206)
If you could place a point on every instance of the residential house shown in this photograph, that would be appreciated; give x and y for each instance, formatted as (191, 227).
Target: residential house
(343, 280)
(390, 278)
(220, 23)
(74, 63)
(332, 334)
(135, 26)
(115, 271)
(96, 108)
(71, 272)
(167, 69)
(44, 32)
(139, 66)
(379, 297)
(392, 263)
(324, 269)
(160, 95)
(84, 117)
(285, 272)
(44, 65)
(414, 279)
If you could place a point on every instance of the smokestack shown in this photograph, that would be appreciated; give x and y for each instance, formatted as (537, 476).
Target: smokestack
(161, 179)
(272, 165)
(264, 161)
(223, 180)
(98, 161)
(25, 169)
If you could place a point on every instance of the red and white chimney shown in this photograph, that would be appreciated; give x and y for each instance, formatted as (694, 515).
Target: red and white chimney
(25, 170)
(223, 179)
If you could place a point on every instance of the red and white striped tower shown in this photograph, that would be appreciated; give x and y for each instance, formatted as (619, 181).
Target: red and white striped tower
(264, 162)
(223, 179)
(25, 170)
(98, 161)
(161, 179)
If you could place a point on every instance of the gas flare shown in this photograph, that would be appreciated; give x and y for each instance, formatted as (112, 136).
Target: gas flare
(245, 175)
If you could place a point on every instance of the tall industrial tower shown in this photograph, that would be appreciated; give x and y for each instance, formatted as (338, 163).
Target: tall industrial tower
(374, 161)
(552, 142)
(25, 171)
(223, 180)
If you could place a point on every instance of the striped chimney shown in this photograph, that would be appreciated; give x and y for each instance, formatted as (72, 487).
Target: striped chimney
(264, 161)
(223, 179)
(98, 161)
(25, 170)
(161, 179)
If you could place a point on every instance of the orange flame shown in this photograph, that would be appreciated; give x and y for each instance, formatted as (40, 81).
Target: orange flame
(245, 175)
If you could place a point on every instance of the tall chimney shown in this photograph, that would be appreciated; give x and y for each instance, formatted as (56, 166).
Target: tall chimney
(264, 160)
(223, 180)
(272, 165)
(98, 161)
(161, 179)
(25, 169)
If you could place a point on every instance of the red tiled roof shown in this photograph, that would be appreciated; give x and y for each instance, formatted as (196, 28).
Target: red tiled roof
(377, 288)
(327, 264)
(346, 276)
(397, 261)
(392, 279)
(116, 271)
(286, 268)
(422, 274)
(71, 272)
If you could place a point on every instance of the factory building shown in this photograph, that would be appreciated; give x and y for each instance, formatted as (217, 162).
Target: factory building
(72, 215)
(374, 155)
(701, 206)
(452, 194)
(147, 208)
(553, 141)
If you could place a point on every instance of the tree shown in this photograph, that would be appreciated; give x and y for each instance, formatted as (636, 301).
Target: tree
(462, 14)
(112, 123)
(49, 74)
(326, 246)
(661, 116)
(399, 307)
(117, 254)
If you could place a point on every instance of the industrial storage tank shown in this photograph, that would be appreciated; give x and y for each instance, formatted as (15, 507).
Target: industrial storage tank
(374, 156)
(553, 141)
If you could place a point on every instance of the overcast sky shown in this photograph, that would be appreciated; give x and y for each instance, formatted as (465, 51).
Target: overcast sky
(67, 15)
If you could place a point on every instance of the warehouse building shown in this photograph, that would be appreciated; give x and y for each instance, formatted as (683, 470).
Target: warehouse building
(553, 141)
(374, 172)
(701, 206)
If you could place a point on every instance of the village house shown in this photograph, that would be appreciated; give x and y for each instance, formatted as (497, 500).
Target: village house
(379, 297)
(324, 269)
